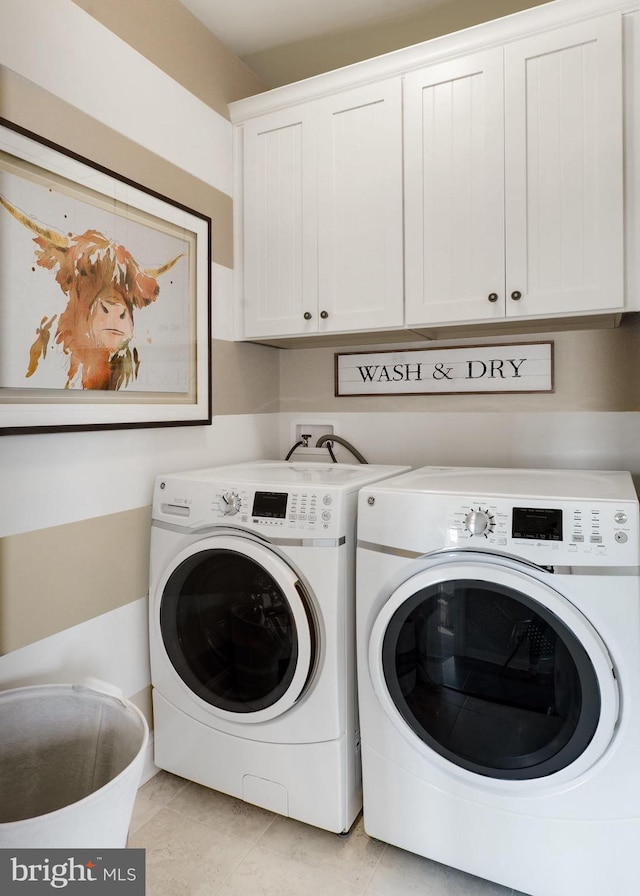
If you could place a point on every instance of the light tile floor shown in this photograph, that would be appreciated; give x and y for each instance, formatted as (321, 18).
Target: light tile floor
(200, 842)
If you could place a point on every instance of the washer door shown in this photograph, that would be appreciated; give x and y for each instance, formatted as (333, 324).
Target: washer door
(493, 670)
(238, 628)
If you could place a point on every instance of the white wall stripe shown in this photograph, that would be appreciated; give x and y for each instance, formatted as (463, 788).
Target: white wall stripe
(112, 647)
(571, 440)
(63, 49)
(57, 478)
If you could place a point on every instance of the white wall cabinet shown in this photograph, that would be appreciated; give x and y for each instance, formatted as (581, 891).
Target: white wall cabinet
(280, 221)
(322, 213)
(514, 180)
(454, 190)
(482, 178)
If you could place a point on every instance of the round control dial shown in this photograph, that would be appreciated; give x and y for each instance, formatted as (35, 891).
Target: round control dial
(229, 503)
(479, 522)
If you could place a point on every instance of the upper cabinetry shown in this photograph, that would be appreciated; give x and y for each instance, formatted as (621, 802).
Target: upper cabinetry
(322, 210)
(514, 180)
(477, 179)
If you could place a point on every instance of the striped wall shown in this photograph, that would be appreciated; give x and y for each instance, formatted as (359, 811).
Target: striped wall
(75, 507)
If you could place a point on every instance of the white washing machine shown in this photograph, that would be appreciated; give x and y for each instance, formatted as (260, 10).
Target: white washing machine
(498, 637)
(252, 634)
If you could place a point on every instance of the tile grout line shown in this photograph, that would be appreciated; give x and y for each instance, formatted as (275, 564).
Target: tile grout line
(366, 890)
(250, 847)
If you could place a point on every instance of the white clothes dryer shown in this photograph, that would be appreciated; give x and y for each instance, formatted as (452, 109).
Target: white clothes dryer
(498, 638)
(252, 633)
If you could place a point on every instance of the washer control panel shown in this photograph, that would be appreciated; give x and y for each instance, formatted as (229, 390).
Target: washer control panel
(305, 511)
(296, 510)
(534, 528)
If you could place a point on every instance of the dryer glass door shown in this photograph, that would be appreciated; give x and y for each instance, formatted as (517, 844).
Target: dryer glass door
(238, 628)
(484, 669)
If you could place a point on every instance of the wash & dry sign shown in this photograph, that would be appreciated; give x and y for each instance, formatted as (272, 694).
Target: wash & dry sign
(479, 369)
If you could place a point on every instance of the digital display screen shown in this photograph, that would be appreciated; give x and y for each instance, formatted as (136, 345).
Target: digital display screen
(538, 523)
(270, 504)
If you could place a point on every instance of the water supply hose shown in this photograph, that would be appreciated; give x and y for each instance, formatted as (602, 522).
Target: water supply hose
(328, 440)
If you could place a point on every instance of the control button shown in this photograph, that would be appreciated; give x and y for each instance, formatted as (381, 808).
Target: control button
(327, 500)
(596, 539)
(326, 515)
(621, 537)
(578, 536)
(312, 517)
(620, 517)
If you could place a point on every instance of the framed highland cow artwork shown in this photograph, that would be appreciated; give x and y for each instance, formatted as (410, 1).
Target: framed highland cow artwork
(105, 296)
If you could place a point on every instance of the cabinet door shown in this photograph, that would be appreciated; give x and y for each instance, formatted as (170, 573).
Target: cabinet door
(280, 223)
(563, 175)
(360, 257)
(454, 191)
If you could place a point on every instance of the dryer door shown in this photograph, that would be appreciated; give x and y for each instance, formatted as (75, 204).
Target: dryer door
(238, 627)
(493, 670)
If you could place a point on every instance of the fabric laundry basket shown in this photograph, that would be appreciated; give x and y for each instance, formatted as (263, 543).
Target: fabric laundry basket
(71, 760)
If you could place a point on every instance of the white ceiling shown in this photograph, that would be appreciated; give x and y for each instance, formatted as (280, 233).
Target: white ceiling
(248, 26)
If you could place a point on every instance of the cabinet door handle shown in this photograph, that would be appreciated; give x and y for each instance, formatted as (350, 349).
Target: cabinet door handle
(307, 315)
(493, 296)
(324, 315)
(516, 295)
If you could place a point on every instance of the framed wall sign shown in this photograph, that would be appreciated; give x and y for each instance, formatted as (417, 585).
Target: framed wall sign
(469, 369)
(105, 296)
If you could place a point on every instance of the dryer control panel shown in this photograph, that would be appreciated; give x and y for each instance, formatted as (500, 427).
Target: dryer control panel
(570, 518)
(545, 532)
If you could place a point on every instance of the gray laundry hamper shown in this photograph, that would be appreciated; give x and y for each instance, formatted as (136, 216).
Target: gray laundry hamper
(71, 760)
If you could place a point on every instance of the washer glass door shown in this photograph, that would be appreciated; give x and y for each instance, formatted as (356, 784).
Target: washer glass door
(238, 627)
(493, 669)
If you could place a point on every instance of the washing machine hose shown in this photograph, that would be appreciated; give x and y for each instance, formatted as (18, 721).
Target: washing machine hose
(329, 439)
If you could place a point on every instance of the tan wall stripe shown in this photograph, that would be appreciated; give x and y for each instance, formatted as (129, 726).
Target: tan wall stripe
(304, 58)
(246, 378)
(174, 40)
(55, 578)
